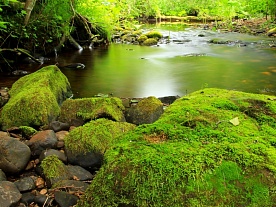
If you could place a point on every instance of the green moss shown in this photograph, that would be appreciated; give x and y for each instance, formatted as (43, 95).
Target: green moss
(53, 167)
(142, 38)
(194, 156)
(27, 131)
(92, 108)
(96, 136)
(35, 98)
(154, 34)
(150, 42)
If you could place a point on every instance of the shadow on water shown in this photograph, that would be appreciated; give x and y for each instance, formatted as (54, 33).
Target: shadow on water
(176, 68)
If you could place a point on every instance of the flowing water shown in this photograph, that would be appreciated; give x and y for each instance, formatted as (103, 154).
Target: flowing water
(247, 64)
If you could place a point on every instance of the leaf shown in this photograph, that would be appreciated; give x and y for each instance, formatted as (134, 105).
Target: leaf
(235, 121)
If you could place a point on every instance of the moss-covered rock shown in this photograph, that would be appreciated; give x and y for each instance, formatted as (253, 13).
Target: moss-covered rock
(154, 34)
(211, 148)
(86, 109)
(35, 98)
(54, 170)
(87, 144)
(150, 42)
(142, 38)
(146, 111)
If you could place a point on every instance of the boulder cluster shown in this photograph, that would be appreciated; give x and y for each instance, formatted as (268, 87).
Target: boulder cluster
(51, 146)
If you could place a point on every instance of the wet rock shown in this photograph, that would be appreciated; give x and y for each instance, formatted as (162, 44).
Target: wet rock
(65, 199)
(49, 152)
(43, 200)
(57, 126)
(27, 198)
(4, 96)
(168, 99)
(146, 111)
(25, 184)
(41, 141)
(9, 194)
(19, 72)
(2, 176)
(79, 173)
(15, 155)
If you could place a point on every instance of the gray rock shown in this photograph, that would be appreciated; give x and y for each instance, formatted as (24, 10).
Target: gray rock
(41, 141)
(86, 160)
(2, 176)
(25, 184)
(79, 173)
(9, 194)
(57, 126)
(43, 200)
(27, 198)
(49, 152)
(65, 199)
(15, 155)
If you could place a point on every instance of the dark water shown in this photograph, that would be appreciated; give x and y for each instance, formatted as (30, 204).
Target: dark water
(170, 69)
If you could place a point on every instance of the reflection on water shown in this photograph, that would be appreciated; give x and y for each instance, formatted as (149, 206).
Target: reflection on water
(137, 71)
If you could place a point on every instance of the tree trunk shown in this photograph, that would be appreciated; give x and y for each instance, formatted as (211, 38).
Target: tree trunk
(29, 5)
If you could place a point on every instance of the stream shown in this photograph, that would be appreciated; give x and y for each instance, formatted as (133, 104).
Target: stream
(186, 64)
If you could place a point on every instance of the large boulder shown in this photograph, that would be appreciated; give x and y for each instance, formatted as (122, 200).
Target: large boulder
(15, 155)
(85, 146)
(212, 147)
(35, 98)
(146, 111)
(76, 112)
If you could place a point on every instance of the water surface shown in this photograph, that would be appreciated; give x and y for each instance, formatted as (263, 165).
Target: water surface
(171, 69)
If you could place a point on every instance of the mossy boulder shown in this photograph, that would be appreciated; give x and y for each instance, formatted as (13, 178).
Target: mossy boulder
(146, 111)
(35, 98)
(79, 111)
(150, 42)
(86, 145)
(154, 34)
(210, 148)
(142, 38)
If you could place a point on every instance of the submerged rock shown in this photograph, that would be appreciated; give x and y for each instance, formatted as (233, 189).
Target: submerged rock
(35, 98)
(194, 155)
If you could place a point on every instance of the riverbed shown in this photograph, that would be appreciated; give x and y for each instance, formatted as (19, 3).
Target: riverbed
(184, 63)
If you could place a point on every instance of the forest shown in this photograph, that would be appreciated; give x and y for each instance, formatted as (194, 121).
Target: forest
(41, 25)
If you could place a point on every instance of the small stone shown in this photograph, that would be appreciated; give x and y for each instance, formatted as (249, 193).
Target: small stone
(25, 184)
(43, 191)
(30, 165)
(61, 134)
(40, 183)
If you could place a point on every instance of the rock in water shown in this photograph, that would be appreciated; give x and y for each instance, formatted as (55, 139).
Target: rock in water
(35, 98)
